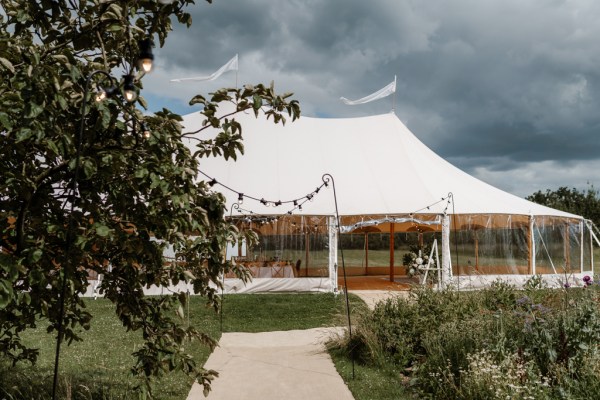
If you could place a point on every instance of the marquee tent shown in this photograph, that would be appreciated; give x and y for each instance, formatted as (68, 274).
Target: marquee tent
(388, 182)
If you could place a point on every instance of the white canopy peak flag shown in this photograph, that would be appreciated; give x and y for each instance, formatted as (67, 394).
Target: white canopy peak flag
(231, 65)
(380, 94)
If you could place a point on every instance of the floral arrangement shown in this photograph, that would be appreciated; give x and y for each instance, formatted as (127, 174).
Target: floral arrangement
(416, 261)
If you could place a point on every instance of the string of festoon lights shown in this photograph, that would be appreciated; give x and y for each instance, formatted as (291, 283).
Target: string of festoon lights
(449, 199)
(297, 202)
(250, 216)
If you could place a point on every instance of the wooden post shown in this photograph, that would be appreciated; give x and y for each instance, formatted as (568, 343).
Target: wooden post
(366, 254)
(307, 248)
(392, 252)
(476, 251)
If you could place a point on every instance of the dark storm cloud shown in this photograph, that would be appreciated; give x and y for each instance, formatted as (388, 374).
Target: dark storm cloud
(491, 86)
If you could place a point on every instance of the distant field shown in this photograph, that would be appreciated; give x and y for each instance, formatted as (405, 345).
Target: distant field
(355, 258)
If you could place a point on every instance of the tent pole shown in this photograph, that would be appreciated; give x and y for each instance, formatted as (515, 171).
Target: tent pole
(567, 239)
(366, 254)
(531, 247)
(392, 226)
(581, 239)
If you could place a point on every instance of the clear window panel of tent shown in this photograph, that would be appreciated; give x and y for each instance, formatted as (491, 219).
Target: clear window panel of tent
(300, 244)
(560, 246)
(369, 253)
(492, 246)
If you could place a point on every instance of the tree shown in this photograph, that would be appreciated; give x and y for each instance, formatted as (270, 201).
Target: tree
(585, 202)
(135, 194)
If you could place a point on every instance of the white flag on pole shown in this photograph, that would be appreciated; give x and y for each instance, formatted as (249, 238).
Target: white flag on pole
(380, 94)
(231, 65)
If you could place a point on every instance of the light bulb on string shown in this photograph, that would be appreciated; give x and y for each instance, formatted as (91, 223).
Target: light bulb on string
(129, 91)
(145, 130)
(104, 93)
(240, 198)
(146, 58)
(100, 95)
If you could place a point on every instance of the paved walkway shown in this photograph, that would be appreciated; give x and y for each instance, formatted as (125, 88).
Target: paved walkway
(289, 365)
(372, 297)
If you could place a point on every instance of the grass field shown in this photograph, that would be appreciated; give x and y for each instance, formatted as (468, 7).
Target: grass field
(98, 367)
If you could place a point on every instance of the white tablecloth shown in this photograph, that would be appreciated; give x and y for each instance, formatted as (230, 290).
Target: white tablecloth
(273, 271)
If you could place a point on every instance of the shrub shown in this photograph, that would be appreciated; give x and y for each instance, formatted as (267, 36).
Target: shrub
(496, 343)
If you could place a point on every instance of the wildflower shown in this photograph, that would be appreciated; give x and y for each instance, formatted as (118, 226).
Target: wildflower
(523, 300)
(587, 280)
(566, 285)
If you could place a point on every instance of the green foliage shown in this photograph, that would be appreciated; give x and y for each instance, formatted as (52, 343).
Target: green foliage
(492, 344)
(135, 195)
(585, 202)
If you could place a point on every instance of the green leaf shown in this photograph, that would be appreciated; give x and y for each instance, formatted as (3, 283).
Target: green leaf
(143, 102)
(52, 146)
(36, 255)
(141, 173)
(7, 64)
(6, 293)
(24, 134)
(103, 230)
(89, 168)
(5, 121)
(32, 110)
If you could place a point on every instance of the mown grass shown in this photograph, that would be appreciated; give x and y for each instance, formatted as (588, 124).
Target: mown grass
(370, 381)
(98, 367)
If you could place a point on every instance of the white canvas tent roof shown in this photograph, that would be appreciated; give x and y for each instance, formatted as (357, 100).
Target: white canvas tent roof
(379, 167)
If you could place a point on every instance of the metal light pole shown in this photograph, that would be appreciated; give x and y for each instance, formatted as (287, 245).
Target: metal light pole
(326, 179)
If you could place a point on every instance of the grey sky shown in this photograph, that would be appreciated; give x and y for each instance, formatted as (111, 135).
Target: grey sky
(506, 90)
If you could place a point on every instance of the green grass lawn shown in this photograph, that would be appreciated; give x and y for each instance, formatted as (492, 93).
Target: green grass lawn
(98, 367)
(369, 382)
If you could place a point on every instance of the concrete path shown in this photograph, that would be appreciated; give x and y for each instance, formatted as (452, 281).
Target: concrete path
(289, 365)
(372, 297)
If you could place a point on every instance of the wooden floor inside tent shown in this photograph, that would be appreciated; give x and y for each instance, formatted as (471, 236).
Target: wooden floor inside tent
(376, 282)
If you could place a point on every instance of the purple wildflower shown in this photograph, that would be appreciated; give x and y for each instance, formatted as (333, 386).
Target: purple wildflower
(523, 300)
(567, 285)
(587, 280)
